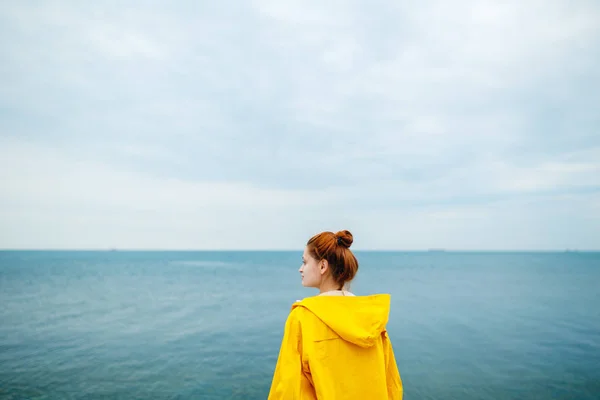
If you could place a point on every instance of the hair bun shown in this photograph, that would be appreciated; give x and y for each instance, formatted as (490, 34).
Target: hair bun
(344, 238)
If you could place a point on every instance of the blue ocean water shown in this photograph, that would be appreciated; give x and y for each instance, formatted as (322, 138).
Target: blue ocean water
(208, 325)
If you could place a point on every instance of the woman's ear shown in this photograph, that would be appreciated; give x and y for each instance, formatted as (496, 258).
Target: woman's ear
(324, 266)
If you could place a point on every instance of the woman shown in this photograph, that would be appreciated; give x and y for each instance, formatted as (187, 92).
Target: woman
(335, 344)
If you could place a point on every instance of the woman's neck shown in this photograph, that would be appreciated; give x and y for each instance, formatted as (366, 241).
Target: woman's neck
(329, 287)
(336, 293)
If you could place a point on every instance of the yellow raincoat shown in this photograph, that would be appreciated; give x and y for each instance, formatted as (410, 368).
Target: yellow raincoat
(337, 347)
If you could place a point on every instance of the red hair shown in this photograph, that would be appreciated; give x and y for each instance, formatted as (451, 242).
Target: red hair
(335, 248)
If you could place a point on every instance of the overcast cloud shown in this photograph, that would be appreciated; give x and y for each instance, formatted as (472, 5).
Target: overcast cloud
(253, 125)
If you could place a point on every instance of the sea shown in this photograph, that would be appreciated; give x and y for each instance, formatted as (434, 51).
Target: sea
(208, 324)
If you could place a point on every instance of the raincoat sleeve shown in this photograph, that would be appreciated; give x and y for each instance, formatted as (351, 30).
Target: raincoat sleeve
(289, 379)
(393, 380)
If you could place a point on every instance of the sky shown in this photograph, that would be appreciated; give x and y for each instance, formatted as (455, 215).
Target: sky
(464, 125)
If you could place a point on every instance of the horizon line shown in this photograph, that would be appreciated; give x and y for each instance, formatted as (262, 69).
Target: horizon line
(431, 250)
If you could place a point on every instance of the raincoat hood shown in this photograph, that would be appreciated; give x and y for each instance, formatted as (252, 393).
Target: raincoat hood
(356, 319)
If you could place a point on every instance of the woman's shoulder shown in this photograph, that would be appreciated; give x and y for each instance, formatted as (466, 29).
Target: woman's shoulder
(298, 309)
(296, 317)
